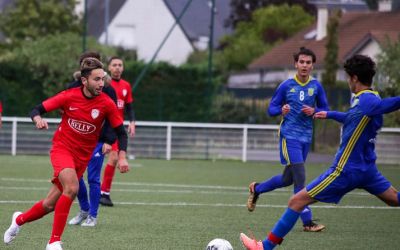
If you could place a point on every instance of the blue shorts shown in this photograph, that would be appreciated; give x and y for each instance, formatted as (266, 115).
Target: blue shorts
(332, 185)
(293, 151)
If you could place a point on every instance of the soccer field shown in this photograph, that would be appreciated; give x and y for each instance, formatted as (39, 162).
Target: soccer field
(184, 204)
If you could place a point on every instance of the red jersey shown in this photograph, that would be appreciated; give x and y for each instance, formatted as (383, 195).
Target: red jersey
(124, 94)
(82, 120)
(1, 107)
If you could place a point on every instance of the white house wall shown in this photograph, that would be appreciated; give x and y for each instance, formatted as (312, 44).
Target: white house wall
(142, 25)
(372, 49)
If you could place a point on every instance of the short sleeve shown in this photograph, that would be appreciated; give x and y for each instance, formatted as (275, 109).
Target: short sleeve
(56, 102)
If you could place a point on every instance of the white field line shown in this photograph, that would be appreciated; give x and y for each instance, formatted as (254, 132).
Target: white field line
(216, 189)
(189, 204)
(159, 191)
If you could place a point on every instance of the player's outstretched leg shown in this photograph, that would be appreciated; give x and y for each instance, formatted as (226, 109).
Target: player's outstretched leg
(13, 230)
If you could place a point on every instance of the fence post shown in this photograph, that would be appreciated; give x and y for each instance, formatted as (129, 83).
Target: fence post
(169, 135)
(244, 144)
(14, 137)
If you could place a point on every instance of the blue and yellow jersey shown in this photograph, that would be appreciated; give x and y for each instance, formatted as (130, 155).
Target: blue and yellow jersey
(361, 124)
(297, 125)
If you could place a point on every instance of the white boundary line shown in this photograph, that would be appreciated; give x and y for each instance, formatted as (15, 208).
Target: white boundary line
(216, 189)
(189, 204)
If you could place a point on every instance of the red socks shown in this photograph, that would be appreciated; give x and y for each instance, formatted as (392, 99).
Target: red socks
(61, 212)
(107, 178)
(34, 213)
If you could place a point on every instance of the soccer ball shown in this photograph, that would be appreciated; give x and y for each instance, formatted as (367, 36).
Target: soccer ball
(219, 244)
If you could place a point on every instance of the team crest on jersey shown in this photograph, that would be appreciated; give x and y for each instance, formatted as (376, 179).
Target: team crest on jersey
(95, 113)
(124, 92)
(81, 127)
(310, 92)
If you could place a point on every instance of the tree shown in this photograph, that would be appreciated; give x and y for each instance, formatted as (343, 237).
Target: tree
(242, 10)
(32, 19)
(51, 60)
(251, 39)
(388, 67)
(332, 49)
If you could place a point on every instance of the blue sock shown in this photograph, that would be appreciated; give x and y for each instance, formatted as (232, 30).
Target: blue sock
(282, 227)
(269, 185)
(398, 199)
(82, 196)
(306, 214)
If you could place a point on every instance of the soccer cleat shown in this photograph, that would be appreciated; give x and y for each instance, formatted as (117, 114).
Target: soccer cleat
(13, 230)
(251, 244)
(54, 246)
(89, 222)
(253, 197)
(81, 216)
(313, 227)
(105, 200)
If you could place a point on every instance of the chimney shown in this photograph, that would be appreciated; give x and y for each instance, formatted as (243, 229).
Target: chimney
(322, 22)
(384, 5)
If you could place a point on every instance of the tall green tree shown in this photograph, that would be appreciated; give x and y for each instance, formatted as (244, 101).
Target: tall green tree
(242, 10)
(51, 60)
(388, 68)
(332, 50)
(32, 19)
(251, 39)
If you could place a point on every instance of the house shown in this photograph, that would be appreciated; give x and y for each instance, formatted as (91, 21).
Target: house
(143, 25)
(360, 32)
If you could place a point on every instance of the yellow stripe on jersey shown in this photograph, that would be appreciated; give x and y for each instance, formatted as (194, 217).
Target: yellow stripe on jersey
(367, 91)
(343, 159)
(285, 151)
(302, 83)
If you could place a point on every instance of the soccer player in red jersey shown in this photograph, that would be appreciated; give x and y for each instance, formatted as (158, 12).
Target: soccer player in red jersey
(124, 102)
(84, 111)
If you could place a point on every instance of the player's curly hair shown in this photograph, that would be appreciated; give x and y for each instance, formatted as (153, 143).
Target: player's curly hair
(89, 64)
(304, 51)
(361, 66)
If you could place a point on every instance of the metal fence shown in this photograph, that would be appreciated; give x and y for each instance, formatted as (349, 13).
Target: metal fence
(173, 140)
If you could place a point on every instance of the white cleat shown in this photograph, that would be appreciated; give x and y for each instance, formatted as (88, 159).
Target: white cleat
(79, 218)
(13, 230)
(54, 246)
(89, 222)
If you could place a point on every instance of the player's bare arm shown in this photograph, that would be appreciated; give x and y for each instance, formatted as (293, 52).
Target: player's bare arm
(131, 128)
(285, 109)
(320, 115)
(40, 123)
(122, 162)
(309, 111)
(106, 148)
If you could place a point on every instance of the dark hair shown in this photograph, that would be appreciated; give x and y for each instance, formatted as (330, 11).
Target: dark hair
(361, 66)
(89, 64)
(112, 58)
(304, 51)
(87, 54)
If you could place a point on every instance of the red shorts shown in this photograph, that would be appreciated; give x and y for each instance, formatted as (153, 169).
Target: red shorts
(115, 147)
(62, 158)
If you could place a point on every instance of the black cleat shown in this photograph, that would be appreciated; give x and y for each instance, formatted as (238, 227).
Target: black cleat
(105, 200)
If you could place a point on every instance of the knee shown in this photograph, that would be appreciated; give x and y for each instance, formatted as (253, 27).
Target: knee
(48, 206)
(287, 181)
(71, 190)
(94, 181)
(296, 203)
